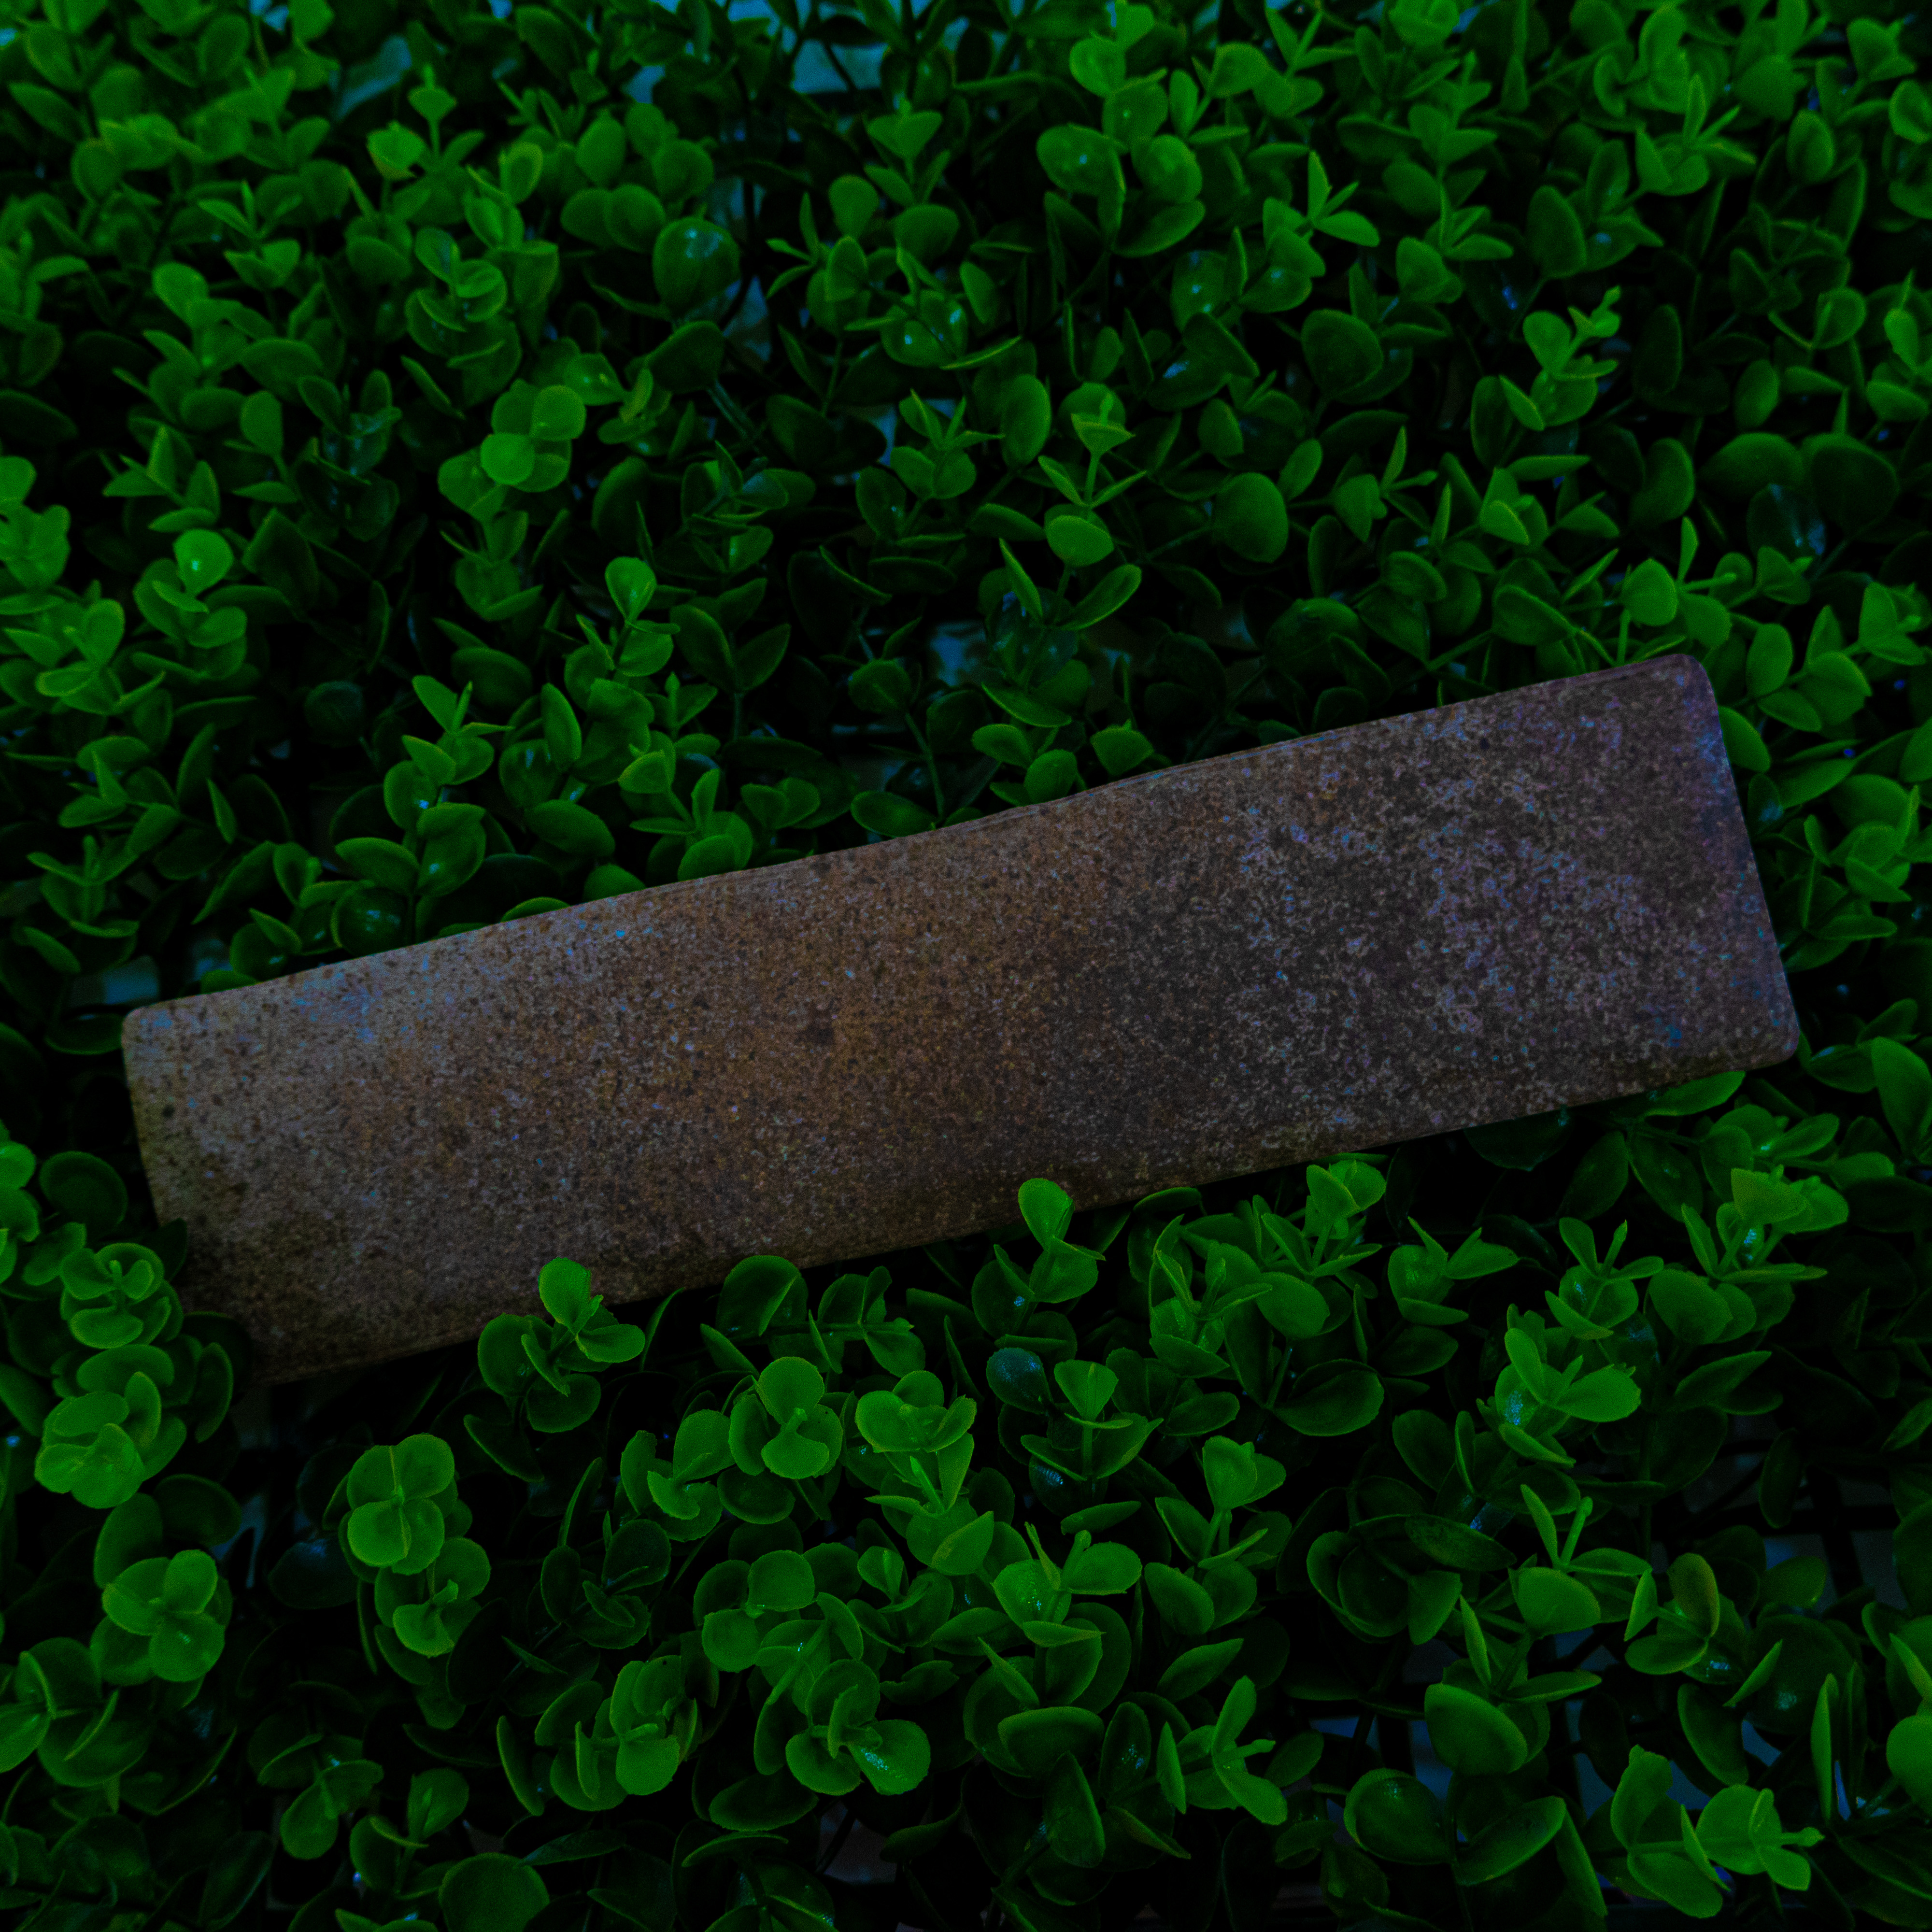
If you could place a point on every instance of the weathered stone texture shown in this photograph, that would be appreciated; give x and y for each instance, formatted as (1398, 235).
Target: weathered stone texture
(1436, 921)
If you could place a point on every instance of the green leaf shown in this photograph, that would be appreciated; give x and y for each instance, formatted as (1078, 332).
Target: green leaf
(1392, 1815)
(690, 358)
(1251, 518)
(1454, 1545)
(203, 559)
(235, 1874)
(1552, 1603)
(1511, 1842)
(1112, 593)
(1650, 594)
(1080, 160)
(1193, 1670)
(1336, 1403)
(490, 1893)
(1120, 749)
(1470, 1734)
(894, 1755)
(889, 816)
(1343, 352)
(557, 414)
(83, 1186)
(1038, 1739)
(1078, 538)
(1857, 484)
(1908, 1756)
(573, 830)
(381, 861)
(1556, 234)
(1905, 1092)
(692, 260)
(1072, 1819)
(1644, 1786)
(1753, 462)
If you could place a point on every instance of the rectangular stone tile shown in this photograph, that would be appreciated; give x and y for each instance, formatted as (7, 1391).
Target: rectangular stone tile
(1435, 921)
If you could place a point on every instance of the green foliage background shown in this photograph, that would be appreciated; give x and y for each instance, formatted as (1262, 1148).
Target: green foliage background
(456, 462)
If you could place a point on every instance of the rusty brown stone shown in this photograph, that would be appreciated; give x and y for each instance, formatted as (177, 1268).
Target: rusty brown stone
(1434, 921)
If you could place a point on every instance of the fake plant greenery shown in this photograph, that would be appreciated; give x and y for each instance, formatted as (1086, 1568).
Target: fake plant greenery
(452, 465)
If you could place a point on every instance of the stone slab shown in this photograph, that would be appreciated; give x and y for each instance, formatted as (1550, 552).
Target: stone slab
(1436, 921)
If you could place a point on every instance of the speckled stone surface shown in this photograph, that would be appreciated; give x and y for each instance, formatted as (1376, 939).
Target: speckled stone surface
(1437, 921)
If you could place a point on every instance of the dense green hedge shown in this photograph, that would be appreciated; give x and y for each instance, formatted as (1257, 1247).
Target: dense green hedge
(453, 465)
